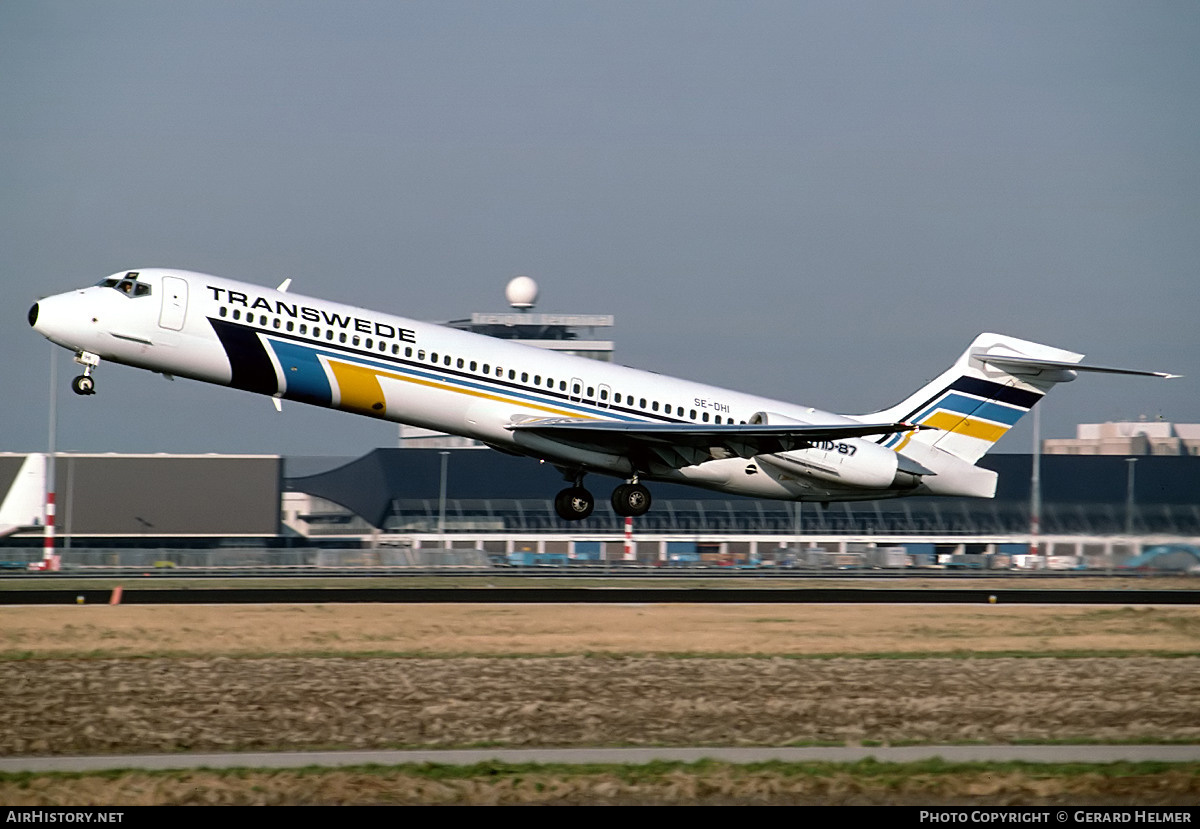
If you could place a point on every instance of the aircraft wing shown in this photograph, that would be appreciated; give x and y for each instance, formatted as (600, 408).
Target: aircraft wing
(688, 444)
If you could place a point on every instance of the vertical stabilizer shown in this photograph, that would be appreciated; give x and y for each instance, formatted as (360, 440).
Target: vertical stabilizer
(975, 402)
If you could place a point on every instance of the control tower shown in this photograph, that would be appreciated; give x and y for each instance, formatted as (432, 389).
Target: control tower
(574, 334)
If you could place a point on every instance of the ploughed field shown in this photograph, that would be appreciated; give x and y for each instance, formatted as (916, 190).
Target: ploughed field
(112, 680)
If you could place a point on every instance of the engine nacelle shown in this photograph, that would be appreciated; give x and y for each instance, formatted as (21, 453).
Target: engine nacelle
(851, 462)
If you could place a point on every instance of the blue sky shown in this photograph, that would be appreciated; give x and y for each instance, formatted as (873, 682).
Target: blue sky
(820, 202)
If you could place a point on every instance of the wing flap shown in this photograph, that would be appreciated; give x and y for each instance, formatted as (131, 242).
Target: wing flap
(688, 444)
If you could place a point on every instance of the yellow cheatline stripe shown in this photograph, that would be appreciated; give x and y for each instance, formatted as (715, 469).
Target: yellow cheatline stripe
(959, 425)
(359, 389)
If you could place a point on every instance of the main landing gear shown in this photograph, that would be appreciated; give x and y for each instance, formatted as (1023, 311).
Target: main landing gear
(575, 503)
(84, 384)
(631, 499)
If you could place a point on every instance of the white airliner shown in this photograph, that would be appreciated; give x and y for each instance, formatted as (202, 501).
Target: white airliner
(577, 414)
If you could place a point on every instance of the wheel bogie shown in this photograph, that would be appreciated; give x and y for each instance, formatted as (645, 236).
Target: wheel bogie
(574, 504)
(631, 500)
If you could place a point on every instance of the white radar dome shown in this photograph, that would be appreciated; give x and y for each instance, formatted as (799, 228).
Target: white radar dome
(521, 292)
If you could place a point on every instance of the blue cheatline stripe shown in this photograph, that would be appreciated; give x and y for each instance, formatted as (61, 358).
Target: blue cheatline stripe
(309, 382)
(974, 407)
(303, 375)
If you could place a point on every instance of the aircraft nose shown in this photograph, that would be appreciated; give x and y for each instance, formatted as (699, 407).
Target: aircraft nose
(33, 315)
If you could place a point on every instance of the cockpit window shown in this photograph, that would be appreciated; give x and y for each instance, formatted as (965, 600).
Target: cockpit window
(128, 286)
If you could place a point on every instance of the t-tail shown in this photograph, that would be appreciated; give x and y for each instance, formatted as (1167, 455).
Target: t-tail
(974, 403)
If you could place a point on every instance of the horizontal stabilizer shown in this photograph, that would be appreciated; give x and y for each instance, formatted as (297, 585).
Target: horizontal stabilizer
(1030, 365)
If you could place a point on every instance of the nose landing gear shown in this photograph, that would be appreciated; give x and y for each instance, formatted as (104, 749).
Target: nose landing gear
(84, 384)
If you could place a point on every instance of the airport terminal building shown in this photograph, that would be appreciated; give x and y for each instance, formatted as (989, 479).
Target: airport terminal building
(1113, 481)
(390, 500)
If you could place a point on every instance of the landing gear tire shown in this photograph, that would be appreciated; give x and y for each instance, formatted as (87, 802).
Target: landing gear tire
(631, 500)
(574, 504)
(83, 384)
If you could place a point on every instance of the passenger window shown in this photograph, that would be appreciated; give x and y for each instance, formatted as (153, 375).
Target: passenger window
(524, 377)
(654, 405)
(369, 343)
(223, 311)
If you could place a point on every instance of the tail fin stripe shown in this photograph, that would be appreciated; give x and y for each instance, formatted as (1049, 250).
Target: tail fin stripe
(969, 426)
(984, 389)
(974, 407)
(965, 407)
(991, 390)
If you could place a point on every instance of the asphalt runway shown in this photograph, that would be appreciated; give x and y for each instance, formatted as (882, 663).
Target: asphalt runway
(616, 756)
(135, 594)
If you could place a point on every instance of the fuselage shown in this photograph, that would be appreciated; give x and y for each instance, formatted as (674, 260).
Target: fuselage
(323, 353)
(579, 415)
(516, 397)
